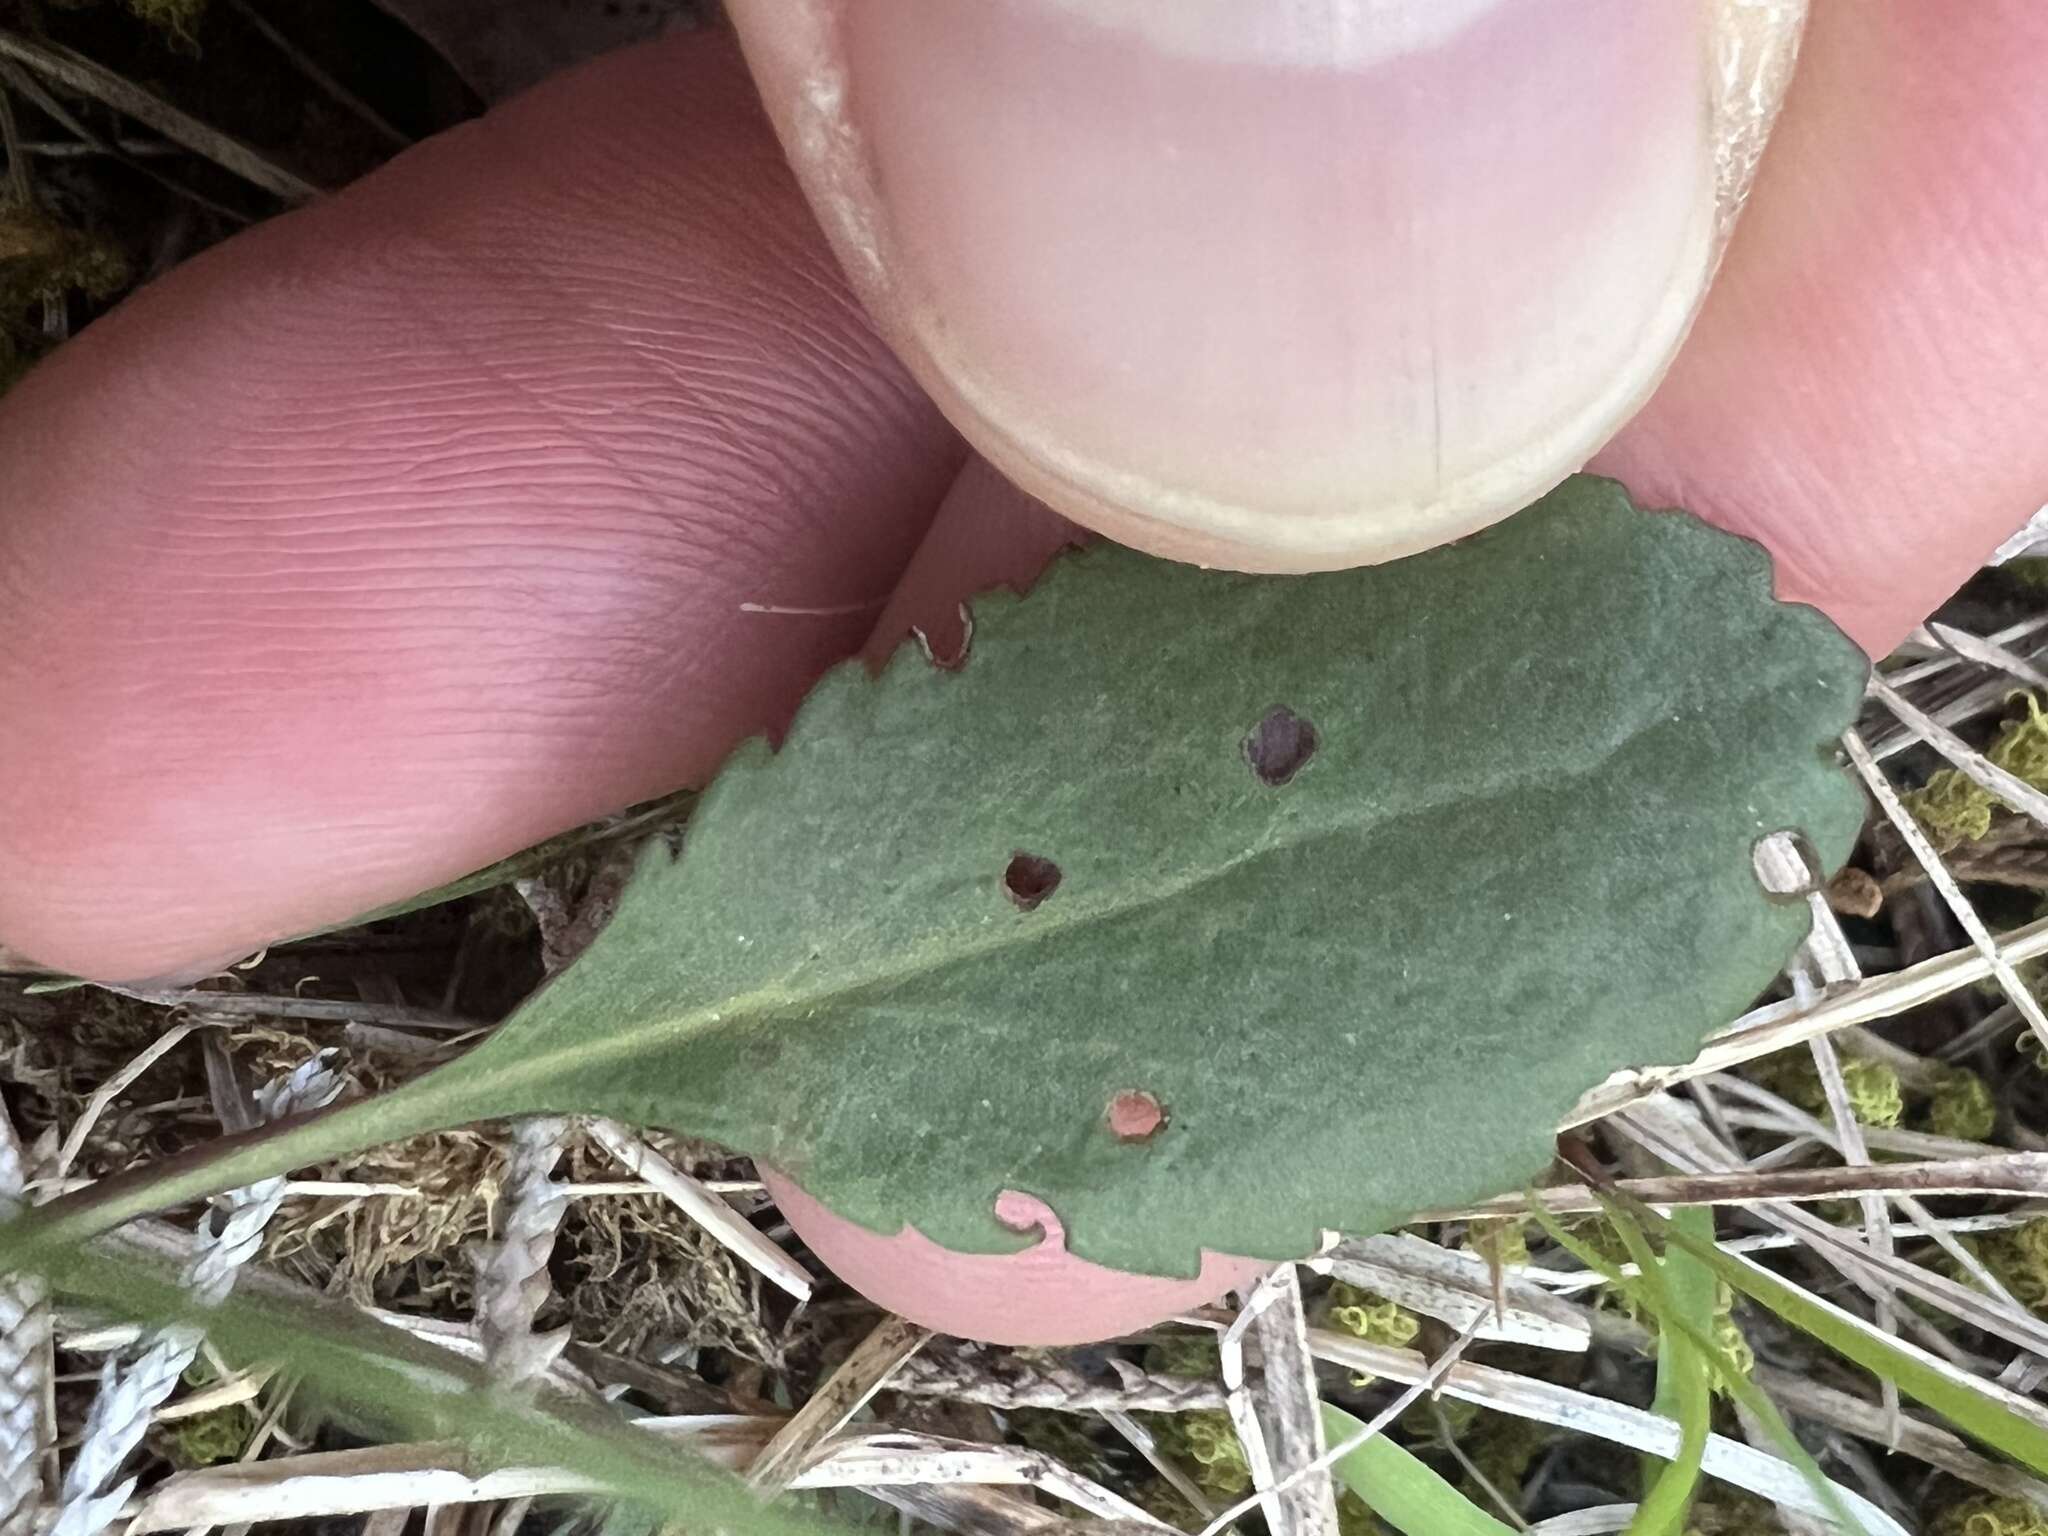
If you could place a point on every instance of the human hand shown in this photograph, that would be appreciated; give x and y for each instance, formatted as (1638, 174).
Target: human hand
(519, 482)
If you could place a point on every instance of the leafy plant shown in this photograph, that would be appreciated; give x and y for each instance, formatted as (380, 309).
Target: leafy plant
(1187, 874)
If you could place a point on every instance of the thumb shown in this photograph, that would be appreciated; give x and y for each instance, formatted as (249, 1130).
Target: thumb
(1286, 288)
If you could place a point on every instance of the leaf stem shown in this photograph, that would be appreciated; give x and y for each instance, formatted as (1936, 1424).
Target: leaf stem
(433, 1102)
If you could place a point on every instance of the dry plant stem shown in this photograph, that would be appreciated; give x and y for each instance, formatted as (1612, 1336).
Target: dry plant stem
(1826, 959)
(1567, 1408)
(1779, 1026)
(701, 1205)
(75, 72)
(859, 1377)
(2001, 965)
(513, 1285)
(27, 1437)
(131, 1393)
(330, 86)
(112, 1088)
(327, 1484)
(1987, 653)
(1029, 1384)
(1429, 1381)
(313, 1010)
(1459, 1289)
(1966, 759)
(1297, 1494)
(2012, 1173)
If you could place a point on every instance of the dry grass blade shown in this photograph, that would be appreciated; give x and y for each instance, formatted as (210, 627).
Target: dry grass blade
(513, 1285)
(1778, 1026)
(112, 1089)
(1988, 653)
(1031, 1384)
(313, 1010)
(1668, 1129)
(1567, 1408)
(1802, 1397)
(1458, 1288)
(2011, 1173)
(77, 73)
(329, 1484)
(694, 1200)
(859, 1377)
(1967, 760)
(1999, 963)
(1297, 1493)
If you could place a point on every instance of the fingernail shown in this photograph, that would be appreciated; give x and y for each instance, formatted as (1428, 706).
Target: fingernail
(1287, 287)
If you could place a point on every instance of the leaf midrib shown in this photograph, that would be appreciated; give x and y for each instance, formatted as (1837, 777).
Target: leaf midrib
(576, 1058)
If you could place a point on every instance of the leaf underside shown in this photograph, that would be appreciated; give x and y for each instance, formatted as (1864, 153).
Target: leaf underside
(1362, 878)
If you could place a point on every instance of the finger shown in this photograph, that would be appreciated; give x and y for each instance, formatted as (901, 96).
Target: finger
(1863, 390)
(1285, 288)
(514, 485)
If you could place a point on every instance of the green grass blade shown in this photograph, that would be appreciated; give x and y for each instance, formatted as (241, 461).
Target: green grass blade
(1973, 1407)
(1739, 1386)
(1683, 1287)
(1401, 1489)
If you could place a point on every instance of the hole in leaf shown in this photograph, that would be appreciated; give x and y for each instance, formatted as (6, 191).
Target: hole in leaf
(1787, 866)
(1279, 745)
(1029, 879)
(1135, 1115)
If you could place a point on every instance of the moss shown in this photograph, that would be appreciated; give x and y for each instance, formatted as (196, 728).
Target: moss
(1370, 1316)
(1984, 1515)
(1500, 1243)
(1502, 1448)
(1205, 1443)
(177, 19)
(1953, 811)
(1062, 1437)
(206, 1439)
(2019, 1258)
(1875, 1096)
(1185, 1354)
(1961, 1107)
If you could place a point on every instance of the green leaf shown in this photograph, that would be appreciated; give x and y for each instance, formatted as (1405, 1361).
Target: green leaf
(1401, 1489)
(1679, 1286)
(1365, 875)
(383, 1381)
